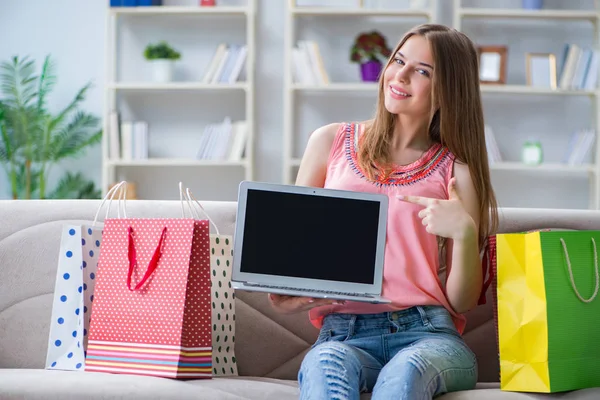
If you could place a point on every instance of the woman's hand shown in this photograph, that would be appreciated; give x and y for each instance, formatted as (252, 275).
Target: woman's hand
(445, 218)
(293, 304)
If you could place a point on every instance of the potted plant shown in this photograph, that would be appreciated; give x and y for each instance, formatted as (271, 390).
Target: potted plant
(33, 139)
(370, 50)
(162, 56)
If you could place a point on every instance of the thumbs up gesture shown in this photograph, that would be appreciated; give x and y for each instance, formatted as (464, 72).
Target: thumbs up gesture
(445, 218)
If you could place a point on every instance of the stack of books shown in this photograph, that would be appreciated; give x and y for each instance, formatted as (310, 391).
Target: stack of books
(227, 64)
(128, 140)
(225, 141)
(580, 147)
(491, 145)
(579, 68)
(307, 64)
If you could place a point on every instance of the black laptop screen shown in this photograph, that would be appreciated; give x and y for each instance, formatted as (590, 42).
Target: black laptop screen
(308, 236)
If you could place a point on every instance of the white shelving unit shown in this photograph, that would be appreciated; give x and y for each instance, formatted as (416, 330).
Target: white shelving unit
(114, 87)
(174, 86)
(561, 171)
(292, 89)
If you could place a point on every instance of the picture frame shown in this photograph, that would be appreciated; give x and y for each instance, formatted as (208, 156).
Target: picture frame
(492, 64)
(541, 70)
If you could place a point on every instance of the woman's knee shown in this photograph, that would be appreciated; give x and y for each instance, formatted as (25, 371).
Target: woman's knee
(428, 369)
(330, 370)
(334, 356)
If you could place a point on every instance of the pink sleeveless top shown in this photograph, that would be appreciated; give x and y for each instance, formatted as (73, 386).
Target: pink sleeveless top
(412, 272)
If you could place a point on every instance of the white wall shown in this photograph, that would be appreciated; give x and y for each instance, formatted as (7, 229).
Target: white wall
(73, 32)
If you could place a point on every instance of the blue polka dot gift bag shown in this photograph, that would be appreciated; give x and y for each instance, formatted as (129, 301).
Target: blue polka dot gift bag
(74, 294)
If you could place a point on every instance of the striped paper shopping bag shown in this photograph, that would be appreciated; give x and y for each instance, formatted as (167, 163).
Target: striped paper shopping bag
(152, 313)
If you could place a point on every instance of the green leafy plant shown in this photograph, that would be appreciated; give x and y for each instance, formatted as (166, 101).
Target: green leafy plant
(369, 46)
(33, 140)
(161, 51)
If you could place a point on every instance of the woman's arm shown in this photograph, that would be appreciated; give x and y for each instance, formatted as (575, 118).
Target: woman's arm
(456, 219)
(313, 168)
(463, 284)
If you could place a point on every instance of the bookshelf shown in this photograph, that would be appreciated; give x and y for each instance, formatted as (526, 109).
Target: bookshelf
(587, 171)
(357, 17)
(187, 91)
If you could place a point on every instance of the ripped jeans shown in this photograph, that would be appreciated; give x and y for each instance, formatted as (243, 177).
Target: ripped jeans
(411, 354)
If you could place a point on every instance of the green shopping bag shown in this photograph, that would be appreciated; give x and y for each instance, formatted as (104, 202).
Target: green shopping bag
(548, 310)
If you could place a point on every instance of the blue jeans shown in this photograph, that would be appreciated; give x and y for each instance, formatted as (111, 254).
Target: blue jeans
(410, 354)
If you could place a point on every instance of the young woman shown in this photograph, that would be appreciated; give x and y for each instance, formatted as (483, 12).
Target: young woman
(425, 149)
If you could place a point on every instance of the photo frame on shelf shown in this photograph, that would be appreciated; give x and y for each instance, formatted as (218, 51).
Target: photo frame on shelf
(541, 70)
(492, 64)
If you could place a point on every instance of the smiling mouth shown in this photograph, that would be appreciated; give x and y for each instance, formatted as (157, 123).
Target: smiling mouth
(396, 92)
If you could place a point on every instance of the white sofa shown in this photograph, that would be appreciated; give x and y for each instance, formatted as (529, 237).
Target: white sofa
(269, 346)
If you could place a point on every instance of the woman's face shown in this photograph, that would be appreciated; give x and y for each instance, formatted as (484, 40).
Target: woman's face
(407, 79)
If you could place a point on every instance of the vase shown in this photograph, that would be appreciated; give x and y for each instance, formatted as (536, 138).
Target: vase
(162, 70)
(531, 154)
(532, 4)
(370, 71)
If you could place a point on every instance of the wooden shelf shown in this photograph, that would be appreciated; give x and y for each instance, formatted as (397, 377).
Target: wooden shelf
(485, 88)
(179, 10)
(366, 12)
(525, 89)
(177, 86)
(517, 166)
(531, 14)
(544, 167)
(175, 162)
(337, 87)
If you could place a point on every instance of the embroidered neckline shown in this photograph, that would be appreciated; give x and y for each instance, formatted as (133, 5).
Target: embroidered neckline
(401, 175)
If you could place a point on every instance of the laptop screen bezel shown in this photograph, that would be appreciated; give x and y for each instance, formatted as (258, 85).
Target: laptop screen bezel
(307, 283)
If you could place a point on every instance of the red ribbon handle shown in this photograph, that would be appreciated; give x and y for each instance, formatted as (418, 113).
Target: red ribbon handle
(133, 259)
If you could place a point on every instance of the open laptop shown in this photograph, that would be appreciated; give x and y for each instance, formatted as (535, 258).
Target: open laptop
(311, 242)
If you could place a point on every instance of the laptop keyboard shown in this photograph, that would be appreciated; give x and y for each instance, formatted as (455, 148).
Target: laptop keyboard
(309, 290)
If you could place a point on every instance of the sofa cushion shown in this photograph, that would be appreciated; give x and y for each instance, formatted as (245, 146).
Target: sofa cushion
(268, 344)
(66, 385)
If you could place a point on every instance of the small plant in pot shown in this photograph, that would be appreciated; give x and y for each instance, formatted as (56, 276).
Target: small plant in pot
(163, 57)
(370, 50)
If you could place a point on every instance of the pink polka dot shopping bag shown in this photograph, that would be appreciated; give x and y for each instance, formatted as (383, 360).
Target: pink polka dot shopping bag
(74, 293)
(152, 299)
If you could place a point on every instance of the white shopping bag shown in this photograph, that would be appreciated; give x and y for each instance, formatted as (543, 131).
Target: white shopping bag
(74, 293)
(73, 297)
(222, 293)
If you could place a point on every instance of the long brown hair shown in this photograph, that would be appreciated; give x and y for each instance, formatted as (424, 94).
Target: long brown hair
(456, 116)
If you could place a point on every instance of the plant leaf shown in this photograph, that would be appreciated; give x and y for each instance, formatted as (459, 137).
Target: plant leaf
(46, 82)
(21, 180)
(79, 97)
(75, 186)
(17, 82)
(78, 134)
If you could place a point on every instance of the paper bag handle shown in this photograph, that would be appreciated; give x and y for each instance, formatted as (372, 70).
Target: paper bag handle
(133, 259)
(189, 198)
(120, 190)
(571, 272)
